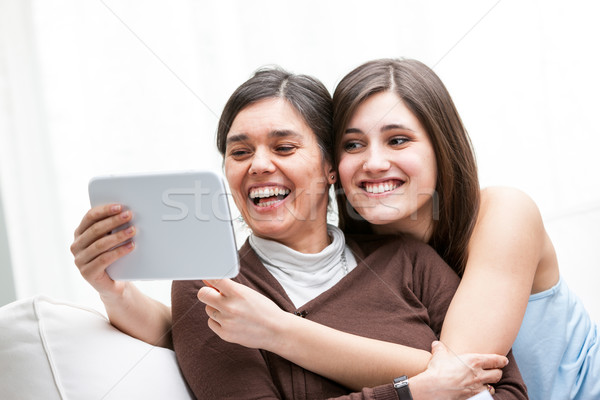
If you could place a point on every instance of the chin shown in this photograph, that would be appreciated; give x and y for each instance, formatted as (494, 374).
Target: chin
(269, 229)
(381, 218)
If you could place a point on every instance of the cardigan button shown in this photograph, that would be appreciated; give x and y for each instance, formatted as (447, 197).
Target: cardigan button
(302, 313)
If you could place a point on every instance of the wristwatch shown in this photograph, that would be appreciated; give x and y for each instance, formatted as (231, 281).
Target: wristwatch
(401, 386)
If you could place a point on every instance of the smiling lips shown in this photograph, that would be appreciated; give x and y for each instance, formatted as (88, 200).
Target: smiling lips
(381, 187)
(268, 195)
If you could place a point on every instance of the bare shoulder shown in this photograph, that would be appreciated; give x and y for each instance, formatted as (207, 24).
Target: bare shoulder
(509, 204)
(507, 218)
(502, 194)
(509, 221)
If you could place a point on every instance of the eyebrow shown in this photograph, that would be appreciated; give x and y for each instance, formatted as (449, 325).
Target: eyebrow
(282, 133)
(384, 128)
(236, 138)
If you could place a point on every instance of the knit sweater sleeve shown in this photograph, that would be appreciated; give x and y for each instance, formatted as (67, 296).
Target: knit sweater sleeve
(213, 368)
(435, 283)
(384, 392)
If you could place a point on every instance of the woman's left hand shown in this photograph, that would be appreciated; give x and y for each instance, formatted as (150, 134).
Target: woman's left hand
(241, 315)
(453, 377)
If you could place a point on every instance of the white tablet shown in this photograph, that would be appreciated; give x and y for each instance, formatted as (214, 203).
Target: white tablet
(183, 225)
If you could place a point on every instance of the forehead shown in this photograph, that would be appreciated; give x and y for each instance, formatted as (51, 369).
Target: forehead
(269, 115)
(383, 109)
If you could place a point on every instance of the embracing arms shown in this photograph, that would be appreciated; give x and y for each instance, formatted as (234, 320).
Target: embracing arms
(241, 315)
(95, 248)
(508, 245)
(510, 257)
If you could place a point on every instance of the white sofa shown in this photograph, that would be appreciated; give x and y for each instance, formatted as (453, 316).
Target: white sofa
(52, 349)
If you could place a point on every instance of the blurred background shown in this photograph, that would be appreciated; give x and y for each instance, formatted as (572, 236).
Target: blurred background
(95, 87)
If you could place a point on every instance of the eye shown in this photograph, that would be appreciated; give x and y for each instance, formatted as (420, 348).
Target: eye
(398, 141)
(352, 145)
(239, 152)
(285, 149)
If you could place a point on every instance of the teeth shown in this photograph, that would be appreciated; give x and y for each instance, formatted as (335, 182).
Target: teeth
(267, 203)
(382, 187)
(268, 192)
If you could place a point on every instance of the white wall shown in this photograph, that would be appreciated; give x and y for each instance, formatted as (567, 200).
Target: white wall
(88, 88)
(7, 284)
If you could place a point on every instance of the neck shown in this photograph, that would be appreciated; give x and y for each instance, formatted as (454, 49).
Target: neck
(311, 242)
(419, 226)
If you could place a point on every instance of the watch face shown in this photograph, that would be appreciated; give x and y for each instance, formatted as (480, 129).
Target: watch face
(401, 382)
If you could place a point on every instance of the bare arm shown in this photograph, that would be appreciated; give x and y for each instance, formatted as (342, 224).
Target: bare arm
(485, 315)
(95, 248)
(140, 316)
(240, 315)
(508, 249)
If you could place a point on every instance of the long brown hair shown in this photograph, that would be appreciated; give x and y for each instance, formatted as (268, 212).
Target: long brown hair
(457, 188)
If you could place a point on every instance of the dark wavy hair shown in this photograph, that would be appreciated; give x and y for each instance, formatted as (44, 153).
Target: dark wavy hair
(306, 94)
(457, 188)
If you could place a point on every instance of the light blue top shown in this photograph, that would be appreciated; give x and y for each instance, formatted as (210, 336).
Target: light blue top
(558, 349)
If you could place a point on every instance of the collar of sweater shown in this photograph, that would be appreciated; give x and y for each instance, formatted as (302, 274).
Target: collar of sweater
(303, 269)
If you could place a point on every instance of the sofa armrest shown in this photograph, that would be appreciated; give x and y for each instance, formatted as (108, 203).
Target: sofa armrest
(57, 350)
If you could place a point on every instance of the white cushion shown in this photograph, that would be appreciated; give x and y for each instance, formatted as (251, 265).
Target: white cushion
(51, 349)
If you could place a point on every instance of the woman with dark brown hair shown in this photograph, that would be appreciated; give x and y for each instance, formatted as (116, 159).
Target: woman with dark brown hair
(406, 166)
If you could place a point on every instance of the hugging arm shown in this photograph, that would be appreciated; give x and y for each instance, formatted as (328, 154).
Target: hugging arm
(500, 285)
(509, 253)
(214, 368)
(244, 316)
(238, 314)
(94, 248)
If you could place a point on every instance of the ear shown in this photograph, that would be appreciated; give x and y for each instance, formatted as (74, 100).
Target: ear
(331, 174)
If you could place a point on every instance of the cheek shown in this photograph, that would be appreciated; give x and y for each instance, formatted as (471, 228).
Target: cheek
(347, 167)
(234, 179)
(422, 170)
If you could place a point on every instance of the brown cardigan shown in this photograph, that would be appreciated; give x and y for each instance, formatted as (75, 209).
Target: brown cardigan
(399, 292)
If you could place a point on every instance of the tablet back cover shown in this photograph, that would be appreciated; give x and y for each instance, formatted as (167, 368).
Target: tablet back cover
(183, 225)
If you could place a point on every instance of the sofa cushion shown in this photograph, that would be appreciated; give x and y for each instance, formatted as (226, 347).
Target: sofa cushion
(57, 350)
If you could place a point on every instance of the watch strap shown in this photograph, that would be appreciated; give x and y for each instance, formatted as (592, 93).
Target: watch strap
(401, 386)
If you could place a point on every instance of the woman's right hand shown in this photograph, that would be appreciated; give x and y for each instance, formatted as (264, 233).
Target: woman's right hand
(95, 247)
(456, 377)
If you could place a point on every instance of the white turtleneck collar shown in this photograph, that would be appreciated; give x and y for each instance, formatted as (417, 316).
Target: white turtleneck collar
(305, 276)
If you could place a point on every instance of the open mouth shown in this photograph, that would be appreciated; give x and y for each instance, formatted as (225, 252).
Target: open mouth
(268, 195)
(381, 187)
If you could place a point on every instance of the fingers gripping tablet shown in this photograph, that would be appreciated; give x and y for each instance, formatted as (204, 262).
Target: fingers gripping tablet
(183, 225)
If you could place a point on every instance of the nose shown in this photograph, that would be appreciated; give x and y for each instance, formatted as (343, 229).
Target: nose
(376, 161)
(261, 163)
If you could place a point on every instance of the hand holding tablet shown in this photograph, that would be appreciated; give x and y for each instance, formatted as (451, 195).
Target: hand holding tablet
(183, 227)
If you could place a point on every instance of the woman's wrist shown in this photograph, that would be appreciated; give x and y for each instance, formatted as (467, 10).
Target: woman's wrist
(281, 340)
(117, 297)
(418, 387)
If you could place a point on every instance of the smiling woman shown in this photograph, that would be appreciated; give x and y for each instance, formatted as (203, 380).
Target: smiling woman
(289, 206)
(395, 192)
(273, 125)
